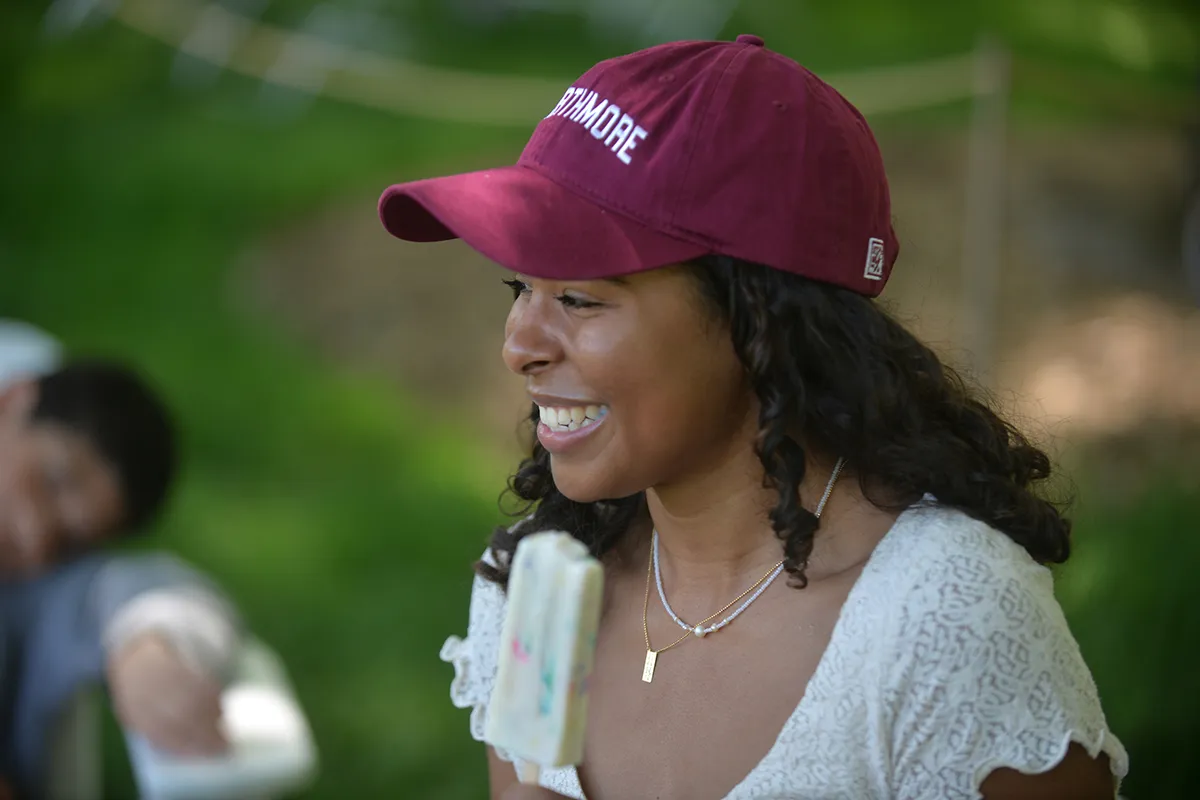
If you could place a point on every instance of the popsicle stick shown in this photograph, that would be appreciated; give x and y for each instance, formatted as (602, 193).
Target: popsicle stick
(527, 772)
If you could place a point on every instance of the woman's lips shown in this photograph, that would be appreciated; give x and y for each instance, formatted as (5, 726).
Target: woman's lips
(564, 427)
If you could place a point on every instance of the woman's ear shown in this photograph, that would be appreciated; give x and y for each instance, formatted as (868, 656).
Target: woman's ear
(17, 400)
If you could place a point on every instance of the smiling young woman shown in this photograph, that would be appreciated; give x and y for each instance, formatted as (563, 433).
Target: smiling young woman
(697, 231)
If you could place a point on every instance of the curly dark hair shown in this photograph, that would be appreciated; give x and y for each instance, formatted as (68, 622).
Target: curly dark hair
(833, 368)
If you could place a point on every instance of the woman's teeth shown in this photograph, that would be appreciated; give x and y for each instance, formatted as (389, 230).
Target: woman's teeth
(571, 419)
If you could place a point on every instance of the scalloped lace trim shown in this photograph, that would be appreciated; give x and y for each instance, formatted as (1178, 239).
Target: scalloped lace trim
(1093, 742)
(468, 690)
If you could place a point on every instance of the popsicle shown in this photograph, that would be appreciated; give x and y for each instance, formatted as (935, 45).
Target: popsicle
(538, 708)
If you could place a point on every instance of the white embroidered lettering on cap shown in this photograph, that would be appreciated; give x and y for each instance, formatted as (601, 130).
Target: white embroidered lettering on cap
(603, 118)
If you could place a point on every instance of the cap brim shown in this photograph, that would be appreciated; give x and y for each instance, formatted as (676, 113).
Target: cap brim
(527, 222)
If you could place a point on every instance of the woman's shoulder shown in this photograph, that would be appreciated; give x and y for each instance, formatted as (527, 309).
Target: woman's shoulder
(484, 619)
(474, 656)
(978, 658)
(948, 599)
(940, 568)
(934, 545)
(931, 527)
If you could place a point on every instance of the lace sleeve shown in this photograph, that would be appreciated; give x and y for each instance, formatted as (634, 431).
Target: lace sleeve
(475, 657)
(989, 675)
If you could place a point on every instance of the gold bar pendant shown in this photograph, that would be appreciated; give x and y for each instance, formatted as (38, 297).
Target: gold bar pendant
(648, 670)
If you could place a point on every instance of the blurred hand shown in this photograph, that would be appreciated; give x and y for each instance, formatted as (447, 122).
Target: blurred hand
(524, 791)
(160, 697)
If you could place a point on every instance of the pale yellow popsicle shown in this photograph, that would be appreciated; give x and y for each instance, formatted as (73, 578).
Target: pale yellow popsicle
(538, 708)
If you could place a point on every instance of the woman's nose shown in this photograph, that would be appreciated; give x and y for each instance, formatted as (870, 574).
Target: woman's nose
(530, 342)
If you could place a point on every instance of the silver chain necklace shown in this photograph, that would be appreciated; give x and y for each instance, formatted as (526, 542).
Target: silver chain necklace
(701, 631)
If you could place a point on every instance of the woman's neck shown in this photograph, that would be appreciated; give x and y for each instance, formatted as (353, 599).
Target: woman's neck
(715, 534)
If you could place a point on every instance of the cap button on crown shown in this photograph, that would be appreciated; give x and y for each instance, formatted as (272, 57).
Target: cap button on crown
(751, 39)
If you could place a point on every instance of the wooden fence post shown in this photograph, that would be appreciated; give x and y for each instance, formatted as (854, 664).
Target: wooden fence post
(983, 223)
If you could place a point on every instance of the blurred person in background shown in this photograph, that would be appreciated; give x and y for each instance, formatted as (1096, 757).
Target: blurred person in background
(87, 457)
(698, 231)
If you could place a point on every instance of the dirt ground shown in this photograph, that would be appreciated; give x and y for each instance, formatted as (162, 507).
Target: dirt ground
(1095, 332)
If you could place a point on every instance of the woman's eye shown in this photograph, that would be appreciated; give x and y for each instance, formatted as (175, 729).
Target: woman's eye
(571, 301)
(518, 287)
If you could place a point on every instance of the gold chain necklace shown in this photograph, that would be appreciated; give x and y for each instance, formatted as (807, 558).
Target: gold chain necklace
(699, 631)
(651, 653)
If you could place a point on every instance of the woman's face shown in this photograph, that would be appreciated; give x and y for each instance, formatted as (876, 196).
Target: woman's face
(637, 384)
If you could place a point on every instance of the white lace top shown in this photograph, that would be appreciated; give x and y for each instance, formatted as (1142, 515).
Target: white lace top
(950, 658)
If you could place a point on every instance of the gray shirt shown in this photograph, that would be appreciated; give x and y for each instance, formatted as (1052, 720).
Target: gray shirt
(53, 641)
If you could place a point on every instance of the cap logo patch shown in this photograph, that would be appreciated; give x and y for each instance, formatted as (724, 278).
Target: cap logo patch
(874, 269)
(605, 119)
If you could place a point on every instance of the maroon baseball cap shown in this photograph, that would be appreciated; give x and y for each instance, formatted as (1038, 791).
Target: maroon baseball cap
(670, 153)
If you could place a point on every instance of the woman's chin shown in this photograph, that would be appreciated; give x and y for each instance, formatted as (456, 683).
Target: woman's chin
(581, 493)
(588, 487)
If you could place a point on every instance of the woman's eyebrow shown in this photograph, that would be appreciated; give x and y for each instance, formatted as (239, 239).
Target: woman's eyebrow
(616, 280)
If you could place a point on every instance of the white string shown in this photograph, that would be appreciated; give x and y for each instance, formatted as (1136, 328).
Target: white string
(662, 595)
